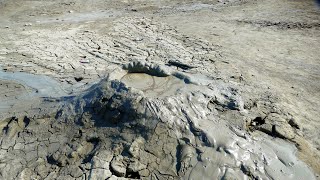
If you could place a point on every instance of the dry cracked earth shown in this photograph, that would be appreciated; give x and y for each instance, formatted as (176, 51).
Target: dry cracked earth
(224, 89)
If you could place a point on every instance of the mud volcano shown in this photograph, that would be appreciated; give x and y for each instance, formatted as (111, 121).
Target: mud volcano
(224, 89)
(140, 126)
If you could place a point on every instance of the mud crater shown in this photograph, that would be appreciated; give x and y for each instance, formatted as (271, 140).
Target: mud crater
(153, 86)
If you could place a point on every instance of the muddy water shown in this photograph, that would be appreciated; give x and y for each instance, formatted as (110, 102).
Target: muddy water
(19, 90)
(153, 86)
(41, 85)
(74, 17)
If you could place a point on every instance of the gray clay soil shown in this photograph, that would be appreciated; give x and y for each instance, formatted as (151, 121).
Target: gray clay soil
(225, 89)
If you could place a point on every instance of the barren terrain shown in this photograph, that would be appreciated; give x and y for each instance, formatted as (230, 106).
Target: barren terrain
(226, 89)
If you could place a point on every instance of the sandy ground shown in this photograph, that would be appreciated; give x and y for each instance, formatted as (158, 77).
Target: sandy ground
(268, 50)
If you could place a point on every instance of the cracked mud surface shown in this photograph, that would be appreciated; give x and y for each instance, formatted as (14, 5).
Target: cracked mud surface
(159, 90)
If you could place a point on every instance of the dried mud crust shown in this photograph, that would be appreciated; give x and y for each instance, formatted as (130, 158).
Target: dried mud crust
(68, 54)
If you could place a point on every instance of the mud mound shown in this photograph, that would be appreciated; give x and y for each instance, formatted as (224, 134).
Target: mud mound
(114, 131)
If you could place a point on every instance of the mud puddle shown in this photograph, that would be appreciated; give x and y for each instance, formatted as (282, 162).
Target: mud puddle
(153, 86)
(42, 86)
(77, 17)
(20, 88)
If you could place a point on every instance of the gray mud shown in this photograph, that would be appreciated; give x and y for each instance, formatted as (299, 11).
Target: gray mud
(204, 89)
(22, 91)
(43, 86)
(153, 86)
(145, 127)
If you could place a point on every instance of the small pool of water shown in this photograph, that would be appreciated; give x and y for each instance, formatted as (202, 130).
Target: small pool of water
(43, 86)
